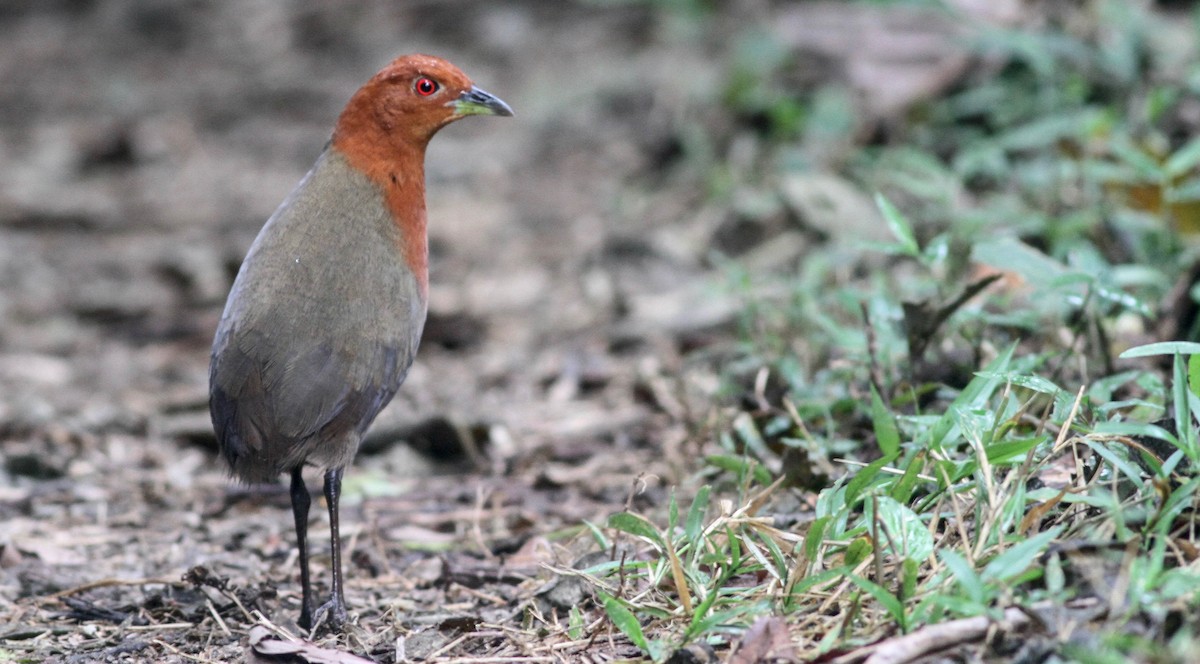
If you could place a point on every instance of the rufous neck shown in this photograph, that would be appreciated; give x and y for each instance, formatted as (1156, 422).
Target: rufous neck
(398, 169)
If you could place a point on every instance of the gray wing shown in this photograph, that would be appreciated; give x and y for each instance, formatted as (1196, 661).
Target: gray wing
(319, 329)
(277, 404)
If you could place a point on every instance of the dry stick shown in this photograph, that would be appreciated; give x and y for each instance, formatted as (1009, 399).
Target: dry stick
(233, 596)
(685, 596)
(517, 659)
(178, 653)
(878, 559)
(260, 619)
(796, 419)
(584, 644)
(448, 646)
(835, 594)
(1064, 432)
(153, 628)
(760, 389)
(994, 506)
(959, 521)
(1022, 412)
(885, 469)
(874, 371)
(476, 519)
(106, 583)
(934, 638)
(217, 617)
(479, 594)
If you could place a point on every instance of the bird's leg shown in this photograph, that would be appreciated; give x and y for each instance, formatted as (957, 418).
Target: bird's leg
(300, 504)
(335, 609)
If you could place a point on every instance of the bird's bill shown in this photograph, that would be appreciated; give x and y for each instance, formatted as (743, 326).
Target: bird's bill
(479, 102)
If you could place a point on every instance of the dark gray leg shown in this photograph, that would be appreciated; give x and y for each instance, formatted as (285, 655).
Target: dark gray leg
(300, 505)
(335, 609)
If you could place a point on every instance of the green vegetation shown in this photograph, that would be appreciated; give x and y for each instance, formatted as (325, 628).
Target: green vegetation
(961, 385)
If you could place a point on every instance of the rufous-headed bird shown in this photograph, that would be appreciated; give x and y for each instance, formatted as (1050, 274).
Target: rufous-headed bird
(325, 315)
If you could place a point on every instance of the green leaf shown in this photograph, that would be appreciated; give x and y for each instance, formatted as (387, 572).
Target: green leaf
(1183, 411)
(1194, 374)
(575, 622)
(964, 575)
(1162, 348)
(899, 226)
(809, 582)
(1029, 381)
(635, 525)
(864, 477)
(740, 466)
(814, 537)
(906, 531)
(960, 605)
(730, 616)
(777, 557)
(1019, 557)
(1137, 158)
(601, 541)
(889, 601)
(1016, 256)
(1135, 429)
(695, 518)
(973, 396)
(1176, 502)
(912, 572)
(858, 550)
(747, 430)
(886, 432)
(1011, 450)
(1184, 159)
(902, 490)
(625, 621)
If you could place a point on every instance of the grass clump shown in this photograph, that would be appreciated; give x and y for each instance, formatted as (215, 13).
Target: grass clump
(941, 429)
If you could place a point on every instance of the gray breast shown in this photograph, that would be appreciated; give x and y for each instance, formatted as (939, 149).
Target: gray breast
(319, 330)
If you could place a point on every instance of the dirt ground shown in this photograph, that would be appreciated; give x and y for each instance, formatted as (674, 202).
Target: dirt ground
(143, 144)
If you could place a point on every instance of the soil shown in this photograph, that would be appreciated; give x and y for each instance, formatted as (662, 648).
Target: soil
(142, 145)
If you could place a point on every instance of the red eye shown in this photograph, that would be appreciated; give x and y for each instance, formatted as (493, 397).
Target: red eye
(426, 86)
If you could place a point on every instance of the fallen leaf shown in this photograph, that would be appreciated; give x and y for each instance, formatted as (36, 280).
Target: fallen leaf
(267, 647)
(767, 640)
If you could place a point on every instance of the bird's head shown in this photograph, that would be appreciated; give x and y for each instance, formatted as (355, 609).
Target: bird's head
(408, 101)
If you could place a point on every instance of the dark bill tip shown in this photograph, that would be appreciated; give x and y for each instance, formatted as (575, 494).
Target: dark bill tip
(480, 102)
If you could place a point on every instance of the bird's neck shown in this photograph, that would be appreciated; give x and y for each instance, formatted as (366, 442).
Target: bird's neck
(399, 171)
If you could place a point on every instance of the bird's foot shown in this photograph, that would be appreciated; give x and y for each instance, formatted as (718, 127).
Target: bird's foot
(331, 614)
(306, 617)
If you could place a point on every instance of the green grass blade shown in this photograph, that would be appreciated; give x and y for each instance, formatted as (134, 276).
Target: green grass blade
(695, 517)
(899, 225)
(886, 432)
(624, 620)
(635, 525)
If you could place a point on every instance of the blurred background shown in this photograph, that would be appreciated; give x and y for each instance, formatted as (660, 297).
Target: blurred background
(678, 229)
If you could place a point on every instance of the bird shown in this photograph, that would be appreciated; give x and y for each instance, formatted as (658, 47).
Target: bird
(326, 312)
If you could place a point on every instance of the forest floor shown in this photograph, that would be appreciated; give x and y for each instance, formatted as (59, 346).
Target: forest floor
(143, 145)
(584, 318)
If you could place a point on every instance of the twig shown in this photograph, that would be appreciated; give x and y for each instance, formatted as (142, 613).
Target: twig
(179, 653)
(875, 372)
(934, 638)
(107, 583)
(216, 616)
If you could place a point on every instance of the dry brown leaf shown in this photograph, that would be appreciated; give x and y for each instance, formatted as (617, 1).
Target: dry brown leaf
(767, 640)
(267, 647)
